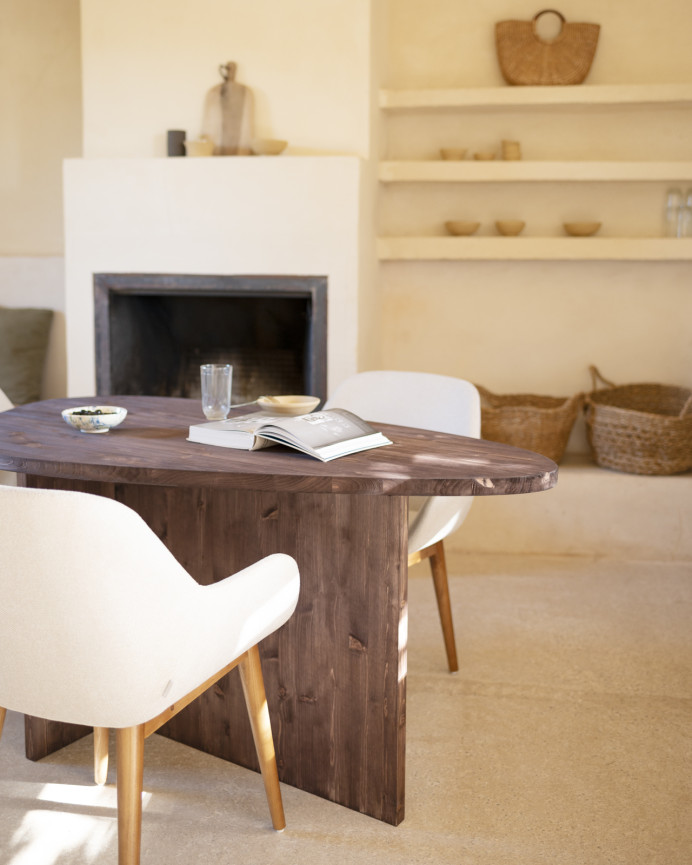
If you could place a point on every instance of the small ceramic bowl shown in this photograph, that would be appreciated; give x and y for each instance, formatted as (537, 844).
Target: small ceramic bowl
(484, 156)
(581, 229)
(267, 146)
(461, 227)
(510, 227)
(453, 152)
(94, 418)
(288, 404)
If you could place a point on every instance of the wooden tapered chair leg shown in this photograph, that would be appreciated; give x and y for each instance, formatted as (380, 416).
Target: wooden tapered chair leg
(3, 712)
(130, 770)
(256, 701)
(100, 755)
(438, 566)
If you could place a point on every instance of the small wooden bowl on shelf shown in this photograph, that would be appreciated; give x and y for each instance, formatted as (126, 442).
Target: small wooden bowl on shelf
(462, 227)
(581, 229)
(453, 153)
(510, 227)
(484, 156)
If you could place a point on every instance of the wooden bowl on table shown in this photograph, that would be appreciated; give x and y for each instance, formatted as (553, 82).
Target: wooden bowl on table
(289, 404)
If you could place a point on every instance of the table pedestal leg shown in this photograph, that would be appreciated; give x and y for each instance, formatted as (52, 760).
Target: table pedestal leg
(335, 673)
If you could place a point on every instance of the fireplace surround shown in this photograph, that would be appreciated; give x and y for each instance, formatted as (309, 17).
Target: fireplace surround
(152, 332)
(226, 215)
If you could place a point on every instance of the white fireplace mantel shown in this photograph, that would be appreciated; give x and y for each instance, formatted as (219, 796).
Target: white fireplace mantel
(219, 215)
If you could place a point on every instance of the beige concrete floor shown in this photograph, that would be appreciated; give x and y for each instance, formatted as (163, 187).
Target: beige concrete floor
(566, 739)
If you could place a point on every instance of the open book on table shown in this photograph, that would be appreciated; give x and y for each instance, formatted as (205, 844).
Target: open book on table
(324, 435)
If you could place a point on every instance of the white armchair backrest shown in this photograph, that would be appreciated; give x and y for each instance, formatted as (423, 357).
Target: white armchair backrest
(101, 625)
(417, 399)
(427, 401)
(9, 478)
(5, 402)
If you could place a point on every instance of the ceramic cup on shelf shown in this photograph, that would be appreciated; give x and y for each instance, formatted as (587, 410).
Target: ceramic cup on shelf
(216, 390)
(511, 150)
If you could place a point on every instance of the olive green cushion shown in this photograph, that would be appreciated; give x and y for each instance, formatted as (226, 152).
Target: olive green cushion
(23, 343)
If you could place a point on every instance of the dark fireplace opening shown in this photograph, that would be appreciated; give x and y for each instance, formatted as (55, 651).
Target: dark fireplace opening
(154, 330)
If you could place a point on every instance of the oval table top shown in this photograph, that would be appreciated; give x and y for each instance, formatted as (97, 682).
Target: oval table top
(151, 447)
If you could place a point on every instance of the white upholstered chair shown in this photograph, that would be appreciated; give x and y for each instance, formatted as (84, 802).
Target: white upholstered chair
(103, 627)
(5, 404)
(427, 401)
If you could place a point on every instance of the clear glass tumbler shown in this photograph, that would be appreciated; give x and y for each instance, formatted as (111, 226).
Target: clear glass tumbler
(685, 216)
(216, 390)
(671, 216)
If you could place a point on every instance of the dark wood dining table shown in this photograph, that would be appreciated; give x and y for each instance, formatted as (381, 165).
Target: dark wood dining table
(335, 673)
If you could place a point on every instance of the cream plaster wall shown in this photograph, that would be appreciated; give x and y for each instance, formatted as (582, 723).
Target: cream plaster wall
(149, 63)
(445, 43)
(40, 97)
(536, 326)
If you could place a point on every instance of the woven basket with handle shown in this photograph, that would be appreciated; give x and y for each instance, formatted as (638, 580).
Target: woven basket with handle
(644, 429)
(538, 423)
(526, 58)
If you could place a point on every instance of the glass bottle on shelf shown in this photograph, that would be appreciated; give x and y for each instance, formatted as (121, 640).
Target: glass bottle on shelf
(685, 216)
(674, 201)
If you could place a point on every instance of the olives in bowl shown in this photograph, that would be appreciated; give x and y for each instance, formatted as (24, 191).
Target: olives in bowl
(94, 418)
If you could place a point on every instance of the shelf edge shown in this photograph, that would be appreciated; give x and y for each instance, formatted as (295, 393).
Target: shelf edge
(534, 249)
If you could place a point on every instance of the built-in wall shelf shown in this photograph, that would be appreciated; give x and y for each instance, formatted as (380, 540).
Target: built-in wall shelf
(534, 249)
(470, 171)
(575, 96)
(527, 248)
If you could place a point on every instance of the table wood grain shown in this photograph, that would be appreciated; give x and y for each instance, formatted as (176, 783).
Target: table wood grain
(150, 447)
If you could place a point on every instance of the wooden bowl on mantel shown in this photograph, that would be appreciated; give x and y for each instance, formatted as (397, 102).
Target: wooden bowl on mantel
(267, 146)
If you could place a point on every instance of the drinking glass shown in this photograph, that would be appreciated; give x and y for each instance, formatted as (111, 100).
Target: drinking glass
(216, 390)
(674, 201)
(685, 216)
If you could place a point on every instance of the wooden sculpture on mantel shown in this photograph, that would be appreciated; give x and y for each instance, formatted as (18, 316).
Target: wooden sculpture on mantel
(228, 114)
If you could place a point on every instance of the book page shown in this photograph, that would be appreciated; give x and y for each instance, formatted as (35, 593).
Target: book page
(321, 428)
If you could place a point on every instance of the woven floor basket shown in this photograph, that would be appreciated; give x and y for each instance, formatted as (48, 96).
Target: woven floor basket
(526, 58)
(538, 423)
(644, 429)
